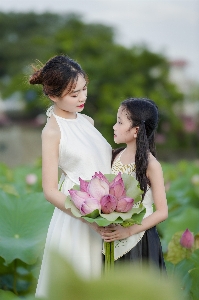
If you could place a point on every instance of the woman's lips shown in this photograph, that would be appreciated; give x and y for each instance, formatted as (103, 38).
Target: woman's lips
(80, 106)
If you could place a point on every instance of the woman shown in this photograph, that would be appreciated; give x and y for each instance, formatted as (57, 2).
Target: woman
(72, 143)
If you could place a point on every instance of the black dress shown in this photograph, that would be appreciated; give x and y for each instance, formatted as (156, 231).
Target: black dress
(147, 251)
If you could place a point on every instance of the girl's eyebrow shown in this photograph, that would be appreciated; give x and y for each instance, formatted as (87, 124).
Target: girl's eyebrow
(78, 90)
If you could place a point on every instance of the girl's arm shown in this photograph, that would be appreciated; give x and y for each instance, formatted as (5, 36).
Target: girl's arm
(155, 175)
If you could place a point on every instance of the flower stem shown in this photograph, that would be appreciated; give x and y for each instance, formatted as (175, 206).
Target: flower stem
(109, 256)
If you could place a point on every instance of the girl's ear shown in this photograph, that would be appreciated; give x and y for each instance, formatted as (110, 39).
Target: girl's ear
(136, 131)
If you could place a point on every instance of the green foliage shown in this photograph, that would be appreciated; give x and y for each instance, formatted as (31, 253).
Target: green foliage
(124, 283)
(24, 219)
(115, 72)
(25, 215)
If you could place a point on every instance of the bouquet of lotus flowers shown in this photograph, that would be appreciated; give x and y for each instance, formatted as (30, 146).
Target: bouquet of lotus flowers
(107, 199)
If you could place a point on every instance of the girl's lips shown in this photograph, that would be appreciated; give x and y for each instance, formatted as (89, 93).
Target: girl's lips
(80, 106)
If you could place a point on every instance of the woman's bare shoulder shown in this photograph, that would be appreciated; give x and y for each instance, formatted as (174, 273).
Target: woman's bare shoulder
(88, 118)
(51, 129)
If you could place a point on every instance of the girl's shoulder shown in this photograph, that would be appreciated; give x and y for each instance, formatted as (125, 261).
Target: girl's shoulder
(153, 164)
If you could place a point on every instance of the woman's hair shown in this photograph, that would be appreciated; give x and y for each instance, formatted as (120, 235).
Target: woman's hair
(142, 112)
(59, 73)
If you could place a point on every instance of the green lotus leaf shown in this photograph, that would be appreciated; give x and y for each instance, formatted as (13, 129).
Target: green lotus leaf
(121, 283)
(110, 177)
(135, 219)
(93, 214)
(6, 295)
(76, 187)
(70, 205)
(23, 226)
(99, 220)
(132, 187)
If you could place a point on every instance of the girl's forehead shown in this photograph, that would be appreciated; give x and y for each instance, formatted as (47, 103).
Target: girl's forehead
(122, 111)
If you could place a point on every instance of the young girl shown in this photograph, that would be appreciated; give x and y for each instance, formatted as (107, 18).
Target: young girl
(137, 120)
(70, 142)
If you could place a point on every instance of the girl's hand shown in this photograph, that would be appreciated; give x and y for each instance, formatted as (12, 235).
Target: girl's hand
(114, 233)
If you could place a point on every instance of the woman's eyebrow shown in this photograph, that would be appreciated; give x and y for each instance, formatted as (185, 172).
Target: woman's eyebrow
(78, 90)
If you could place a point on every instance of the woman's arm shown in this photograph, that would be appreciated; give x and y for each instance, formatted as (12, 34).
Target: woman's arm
(50, 157)
(155, 175)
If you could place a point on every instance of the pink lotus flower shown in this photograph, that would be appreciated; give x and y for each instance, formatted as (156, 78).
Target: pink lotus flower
(89, 205)
(187, 239)
(98, 186)
(124, 204)
(108, 204)
(84, 202)
(83, 185)
(117, 187)
(101, 177)
(31, 179)
(78, 197)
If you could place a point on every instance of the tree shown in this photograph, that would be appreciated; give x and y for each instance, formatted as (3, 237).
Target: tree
(115, 72)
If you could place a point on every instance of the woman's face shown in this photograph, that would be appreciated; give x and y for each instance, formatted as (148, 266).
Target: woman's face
(74, 100)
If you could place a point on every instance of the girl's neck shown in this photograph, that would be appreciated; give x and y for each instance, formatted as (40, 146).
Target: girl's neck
(128, 156)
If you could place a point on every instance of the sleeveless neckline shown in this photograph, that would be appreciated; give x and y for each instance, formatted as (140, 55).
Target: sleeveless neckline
(68, 120)
(119, 159)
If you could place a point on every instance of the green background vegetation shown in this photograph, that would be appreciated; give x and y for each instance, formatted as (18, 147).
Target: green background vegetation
(115, 73)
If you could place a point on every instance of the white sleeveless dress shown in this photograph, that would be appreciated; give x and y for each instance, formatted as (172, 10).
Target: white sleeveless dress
(82, 152)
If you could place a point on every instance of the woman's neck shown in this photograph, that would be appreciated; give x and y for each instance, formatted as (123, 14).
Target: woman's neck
(63, 113)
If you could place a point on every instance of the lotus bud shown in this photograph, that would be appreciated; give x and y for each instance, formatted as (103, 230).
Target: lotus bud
(117, 188)
(31, 179)
(101, 177)
(89, 206)
(124, 204)
(97, 188)
(83, 185)
(108, 204)
(78, 197)
(187, 239)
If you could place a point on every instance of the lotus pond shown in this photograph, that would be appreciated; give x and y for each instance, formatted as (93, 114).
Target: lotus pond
(25, 216)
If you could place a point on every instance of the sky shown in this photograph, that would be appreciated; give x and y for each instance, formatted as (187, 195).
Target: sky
(170, 27)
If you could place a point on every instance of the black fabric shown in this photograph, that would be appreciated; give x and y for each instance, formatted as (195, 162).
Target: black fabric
(147, 251)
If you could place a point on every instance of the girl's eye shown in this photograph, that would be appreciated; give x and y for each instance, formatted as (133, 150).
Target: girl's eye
(85, 88)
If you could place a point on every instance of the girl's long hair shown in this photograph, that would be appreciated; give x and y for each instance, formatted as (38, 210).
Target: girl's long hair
(142, 113)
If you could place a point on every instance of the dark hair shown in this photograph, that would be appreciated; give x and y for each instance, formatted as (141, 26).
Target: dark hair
(59, 72)
(142, 112)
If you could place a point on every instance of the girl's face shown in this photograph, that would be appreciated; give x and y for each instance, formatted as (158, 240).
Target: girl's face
(123, 131)
(73, 101)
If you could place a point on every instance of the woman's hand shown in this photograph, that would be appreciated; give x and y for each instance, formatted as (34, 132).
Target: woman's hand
(114, 233)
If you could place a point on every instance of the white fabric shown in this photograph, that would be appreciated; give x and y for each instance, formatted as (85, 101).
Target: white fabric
(124, 246)
(82, 152)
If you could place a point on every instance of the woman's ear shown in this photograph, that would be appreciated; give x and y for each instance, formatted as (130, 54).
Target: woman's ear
(53, 98)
